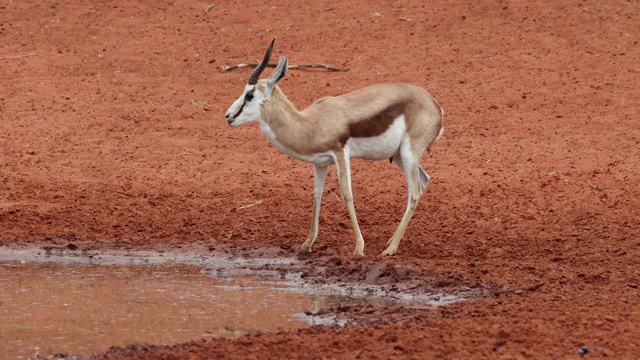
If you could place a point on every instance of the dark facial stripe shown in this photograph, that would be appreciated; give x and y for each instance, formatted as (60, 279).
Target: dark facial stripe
(244, 102)
(239, 111)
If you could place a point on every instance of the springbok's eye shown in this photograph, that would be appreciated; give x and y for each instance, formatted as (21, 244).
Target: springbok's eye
(248, 96)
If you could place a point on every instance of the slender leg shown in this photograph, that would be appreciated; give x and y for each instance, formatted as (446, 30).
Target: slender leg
(344, 175)
(417, 181)
(319, 176)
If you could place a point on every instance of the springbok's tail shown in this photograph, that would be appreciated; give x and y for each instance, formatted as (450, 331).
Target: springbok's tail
(440, 133)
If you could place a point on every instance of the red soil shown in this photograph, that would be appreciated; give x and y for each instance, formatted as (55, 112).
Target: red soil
(112, 135)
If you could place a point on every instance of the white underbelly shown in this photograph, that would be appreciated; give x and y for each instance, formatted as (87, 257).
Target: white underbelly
(320, 159)
(379, 147)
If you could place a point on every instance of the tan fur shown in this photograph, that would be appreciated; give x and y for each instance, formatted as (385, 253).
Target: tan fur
(325, 125)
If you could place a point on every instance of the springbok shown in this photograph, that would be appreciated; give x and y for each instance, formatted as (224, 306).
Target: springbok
(395, 121)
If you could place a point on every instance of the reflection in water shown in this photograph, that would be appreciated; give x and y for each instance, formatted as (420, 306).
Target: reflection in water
(52, 307)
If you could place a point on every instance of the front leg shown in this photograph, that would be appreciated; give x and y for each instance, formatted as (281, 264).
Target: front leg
(319, 176)
(344, 175)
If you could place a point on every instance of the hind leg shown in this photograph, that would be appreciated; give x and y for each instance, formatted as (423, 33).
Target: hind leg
(417, 182)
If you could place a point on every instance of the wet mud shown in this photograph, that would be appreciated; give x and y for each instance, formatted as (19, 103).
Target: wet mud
(68, 300)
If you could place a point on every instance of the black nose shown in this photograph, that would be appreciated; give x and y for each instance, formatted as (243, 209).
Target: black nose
(228, 116)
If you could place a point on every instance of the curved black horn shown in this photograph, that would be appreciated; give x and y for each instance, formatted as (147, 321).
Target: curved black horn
(253, 79)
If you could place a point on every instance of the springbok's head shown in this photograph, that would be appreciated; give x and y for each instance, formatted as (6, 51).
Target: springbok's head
(256, 92)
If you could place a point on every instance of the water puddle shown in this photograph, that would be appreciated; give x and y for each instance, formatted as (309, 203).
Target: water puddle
(82, 303)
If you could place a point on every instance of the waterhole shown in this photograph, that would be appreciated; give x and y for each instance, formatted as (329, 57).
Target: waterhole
(81, 303)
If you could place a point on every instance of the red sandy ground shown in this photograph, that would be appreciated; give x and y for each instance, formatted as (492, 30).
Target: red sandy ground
(112, 135)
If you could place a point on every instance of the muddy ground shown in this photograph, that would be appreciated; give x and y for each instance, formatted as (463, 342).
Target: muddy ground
(112, 136)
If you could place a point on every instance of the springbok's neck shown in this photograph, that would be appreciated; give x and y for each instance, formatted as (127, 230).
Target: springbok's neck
(279, 112)
(287, 128)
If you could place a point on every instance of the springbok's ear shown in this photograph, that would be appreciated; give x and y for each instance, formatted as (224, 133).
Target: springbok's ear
(278, 73)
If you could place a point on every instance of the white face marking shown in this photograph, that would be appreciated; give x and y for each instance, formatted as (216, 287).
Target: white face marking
(379, 147)
(246, 109)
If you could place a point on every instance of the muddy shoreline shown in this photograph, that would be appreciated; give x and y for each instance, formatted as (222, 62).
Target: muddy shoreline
(384, 281)
(345, 293)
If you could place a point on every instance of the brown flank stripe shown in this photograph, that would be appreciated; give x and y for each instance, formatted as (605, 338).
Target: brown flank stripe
(377, 124)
